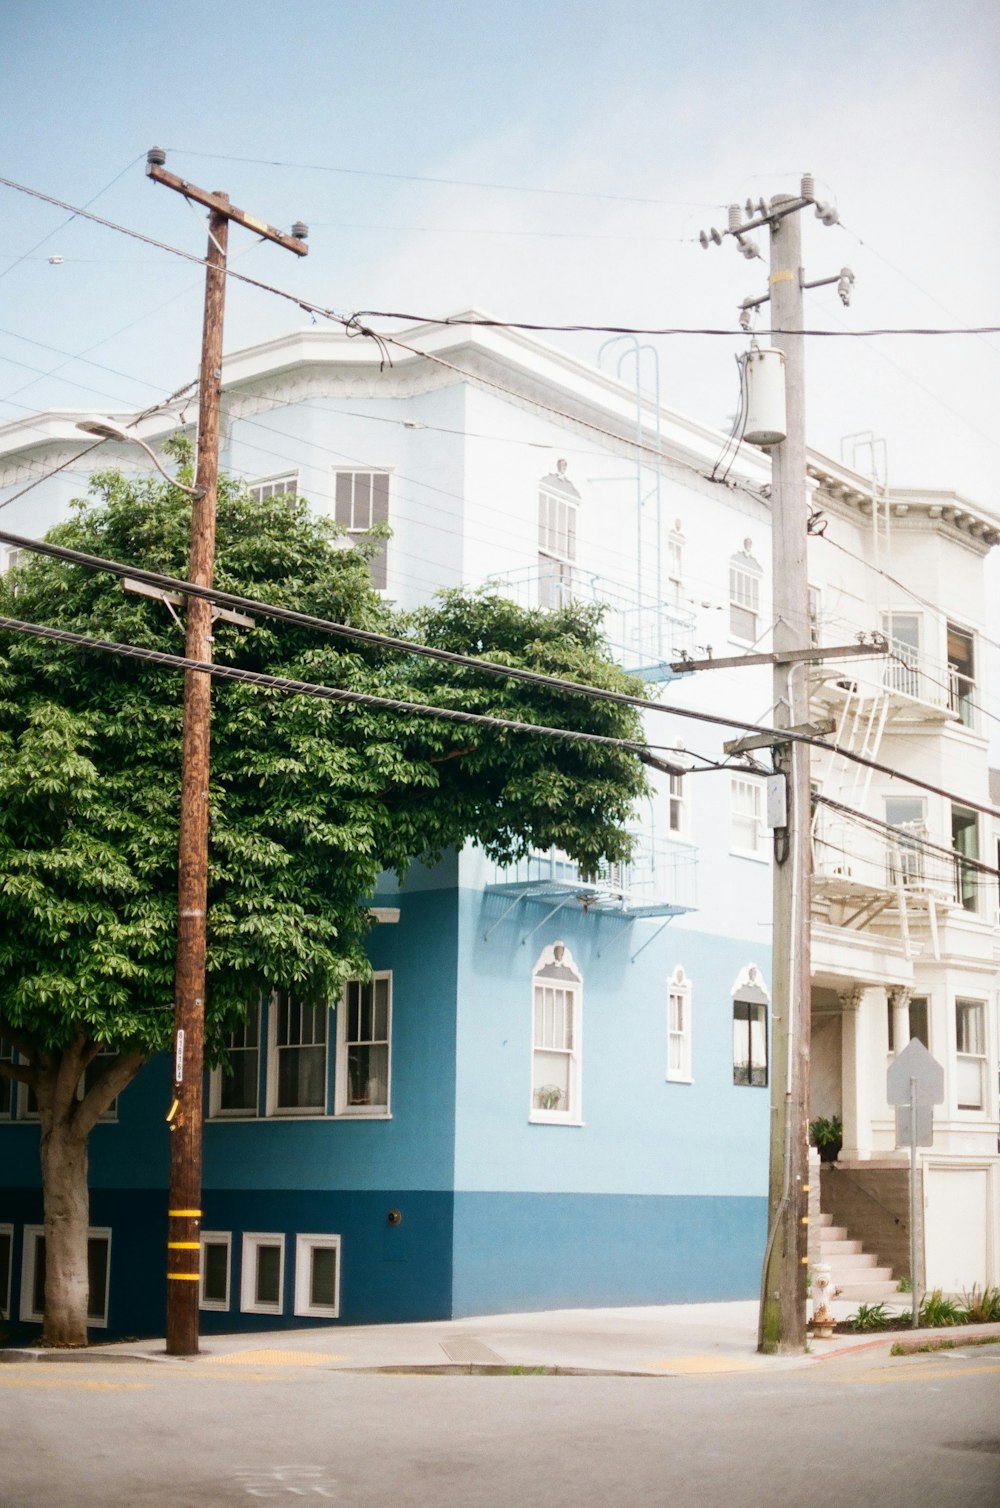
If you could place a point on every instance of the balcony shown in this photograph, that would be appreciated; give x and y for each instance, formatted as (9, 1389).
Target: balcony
(915, 684)
(644, 635)
(852, 862)
(659, 880)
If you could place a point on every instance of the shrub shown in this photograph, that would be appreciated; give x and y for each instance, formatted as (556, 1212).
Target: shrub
(870, 1317)
(937, 1310)
(982, 1305)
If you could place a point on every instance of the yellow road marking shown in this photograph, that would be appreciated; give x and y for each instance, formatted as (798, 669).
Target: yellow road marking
(920, 1373)
(84, 1384)
(273, 1358)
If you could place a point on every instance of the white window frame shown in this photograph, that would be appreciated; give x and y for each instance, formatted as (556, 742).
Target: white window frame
(273, 1050)
(973, 1059)
(29, 1250)
(218, 1077)
(215, 1238)
(342, 1105)
(558, 515)
(283, 484)
(253, 1242)
(7, 1235)
(356, 525)
(556, 972)
(745, 577)
(675, 565)
(677, 804)
(679, 1028)
(305, 1246)
(745, 811)
(9, 1087)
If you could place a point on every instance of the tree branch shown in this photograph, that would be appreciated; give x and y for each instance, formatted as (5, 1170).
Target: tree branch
(117, 1076)
(17, 1039)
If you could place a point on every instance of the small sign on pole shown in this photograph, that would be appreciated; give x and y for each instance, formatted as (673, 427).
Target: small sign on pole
(914, 1083)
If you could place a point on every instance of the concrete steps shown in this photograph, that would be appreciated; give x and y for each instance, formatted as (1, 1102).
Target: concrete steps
(855, 1274)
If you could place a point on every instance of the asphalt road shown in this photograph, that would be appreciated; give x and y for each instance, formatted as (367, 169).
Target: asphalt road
(848, 1432)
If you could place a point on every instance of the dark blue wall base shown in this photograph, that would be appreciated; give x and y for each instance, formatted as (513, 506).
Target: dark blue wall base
(560, 1251)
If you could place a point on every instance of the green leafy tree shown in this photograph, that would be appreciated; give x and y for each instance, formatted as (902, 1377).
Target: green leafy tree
(310, 799)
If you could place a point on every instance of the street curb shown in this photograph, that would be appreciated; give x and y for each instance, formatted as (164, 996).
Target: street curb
(890, 1338)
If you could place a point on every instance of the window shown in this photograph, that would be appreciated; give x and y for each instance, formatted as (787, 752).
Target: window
(970, 1045)
(679, 1027)
(557, 991)
(262, 1282)
(216, 1252)
(8, 1088)
(33, 1275)
(364, 1025)
(558, 501)
(92, 1073)
(6, 1264)
(907, 814)
(10, 559)
(234, 1086)
(965, 842)
(274, 486)
(677, 810)
(297, 1058)
(750, 1002)
(746, 827)
(317, 1276)
(744, 595)
(361, 500)
(961, 675)
(675, 566)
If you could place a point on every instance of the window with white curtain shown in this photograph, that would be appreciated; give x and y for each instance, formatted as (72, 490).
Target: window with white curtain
(679, 1027)
(557, 994)
(970, 1047)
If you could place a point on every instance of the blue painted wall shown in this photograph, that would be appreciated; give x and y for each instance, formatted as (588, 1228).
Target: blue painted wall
(524, 1252)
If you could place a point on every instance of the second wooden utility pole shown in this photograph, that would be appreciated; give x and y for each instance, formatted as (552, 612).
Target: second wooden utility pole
(783, 1291)
(185, 1114)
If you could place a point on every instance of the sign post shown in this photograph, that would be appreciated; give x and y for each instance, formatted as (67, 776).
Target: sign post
(914, 1083)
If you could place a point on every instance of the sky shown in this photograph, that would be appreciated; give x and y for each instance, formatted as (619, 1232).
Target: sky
(547, 161)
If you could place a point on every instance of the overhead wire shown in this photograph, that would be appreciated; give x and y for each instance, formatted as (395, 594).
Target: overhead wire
(468, 662)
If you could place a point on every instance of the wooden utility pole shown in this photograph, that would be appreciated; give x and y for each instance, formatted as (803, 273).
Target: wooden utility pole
(185, 1115)
(783, 1290)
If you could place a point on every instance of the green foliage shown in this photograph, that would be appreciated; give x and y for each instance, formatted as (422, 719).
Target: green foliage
(824, 1133)
(310, 799)
(936, 1309)
(905, 1285)
(870, 1317)
(982, 1305)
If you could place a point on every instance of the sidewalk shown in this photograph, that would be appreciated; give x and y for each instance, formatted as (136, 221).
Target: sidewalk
(661, 1340)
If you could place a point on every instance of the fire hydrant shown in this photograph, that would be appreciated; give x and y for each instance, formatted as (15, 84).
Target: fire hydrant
(822, 1322)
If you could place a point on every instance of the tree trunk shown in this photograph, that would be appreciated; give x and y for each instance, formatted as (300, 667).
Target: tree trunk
(67, 1216)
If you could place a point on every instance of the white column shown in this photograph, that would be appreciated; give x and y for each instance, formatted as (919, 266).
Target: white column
(856, 1070)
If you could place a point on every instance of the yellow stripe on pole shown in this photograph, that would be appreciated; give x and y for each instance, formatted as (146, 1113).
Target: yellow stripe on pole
(184, 1277)
(192, 1213)
(184, 1246)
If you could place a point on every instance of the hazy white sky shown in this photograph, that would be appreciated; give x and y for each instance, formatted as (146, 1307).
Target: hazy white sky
(583, 146)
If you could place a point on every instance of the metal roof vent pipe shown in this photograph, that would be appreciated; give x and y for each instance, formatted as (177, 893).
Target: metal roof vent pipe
(765, 386)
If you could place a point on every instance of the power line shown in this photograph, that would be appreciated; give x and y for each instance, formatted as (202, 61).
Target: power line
(467, 662)
(49, 234)
(505, 188)
(311, 688)
(352, 322)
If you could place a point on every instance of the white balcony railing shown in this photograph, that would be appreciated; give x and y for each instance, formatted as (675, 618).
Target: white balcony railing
(907, 672)
(849, 851)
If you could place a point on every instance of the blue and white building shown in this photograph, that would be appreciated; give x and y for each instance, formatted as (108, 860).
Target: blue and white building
(554, 1089)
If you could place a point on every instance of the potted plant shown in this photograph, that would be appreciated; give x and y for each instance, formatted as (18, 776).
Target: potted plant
(827, 1136)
